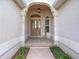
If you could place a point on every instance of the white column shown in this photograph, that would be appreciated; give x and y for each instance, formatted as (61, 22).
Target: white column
(23, 26)
(55, 28)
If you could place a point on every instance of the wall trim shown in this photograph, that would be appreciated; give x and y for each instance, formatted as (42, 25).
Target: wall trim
(68, 47)
(7, 46)
(73, 45)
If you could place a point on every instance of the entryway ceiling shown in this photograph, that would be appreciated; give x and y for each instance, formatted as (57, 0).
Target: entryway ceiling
(55, 3)
(50, 2)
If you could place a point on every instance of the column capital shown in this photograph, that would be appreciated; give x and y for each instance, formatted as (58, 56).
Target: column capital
(54, 12)
(24, 11)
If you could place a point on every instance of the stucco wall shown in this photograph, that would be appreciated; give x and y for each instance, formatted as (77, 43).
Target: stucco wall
(67, 26)
(68, 20)
(10, 29)
(10, 21)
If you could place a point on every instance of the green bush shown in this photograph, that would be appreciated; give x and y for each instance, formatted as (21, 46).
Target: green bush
(59, 54)
(20, 57)
(22, 53)
(23, 50)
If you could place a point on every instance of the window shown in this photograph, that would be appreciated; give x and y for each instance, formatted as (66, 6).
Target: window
(47, 23)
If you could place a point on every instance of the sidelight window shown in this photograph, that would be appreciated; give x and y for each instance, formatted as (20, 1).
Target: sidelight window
(47, 23)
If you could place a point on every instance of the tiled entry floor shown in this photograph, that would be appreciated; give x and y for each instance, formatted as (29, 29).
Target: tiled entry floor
(40, 53)
(39, 42)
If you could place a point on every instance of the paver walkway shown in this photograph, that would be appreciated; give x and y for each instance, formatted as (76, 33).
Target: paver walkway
(40, 53)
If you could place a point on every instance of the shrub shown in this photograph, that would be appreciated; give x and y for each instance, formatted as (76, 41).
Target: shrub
(23, 50)
(59, 54)
(22, 53)
(20, 57)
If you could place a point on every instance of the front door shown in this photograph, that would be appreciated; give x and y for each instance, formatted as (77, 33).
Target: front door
(35, 27)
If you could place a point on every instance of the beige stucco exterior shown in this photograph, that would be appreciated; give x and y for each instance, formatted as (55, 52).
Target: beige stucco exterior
(15, 25)
(10, 21)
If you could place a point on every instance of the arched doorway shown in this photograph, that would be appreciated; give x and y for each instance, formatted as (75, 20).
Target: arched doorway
(40, 20)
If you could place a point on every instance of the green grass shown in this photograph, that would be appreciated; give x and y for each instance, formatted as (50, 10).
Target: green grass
(59, 54)
(22, 53)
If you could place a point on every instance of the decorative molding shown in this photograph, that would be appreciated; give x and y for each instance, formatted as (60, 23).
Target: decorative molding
(66, 47)
(35, 15)
(68, 42)
(7, 46)
(19, 3)
(59, 3)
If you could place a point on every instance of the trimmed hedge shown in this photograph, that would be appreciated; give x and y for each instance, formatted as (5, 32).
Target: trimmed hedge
(58, 53)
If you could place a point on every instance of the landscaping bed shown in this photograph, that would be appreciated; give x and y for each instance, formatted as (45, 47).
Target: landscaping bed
(21, 53)
(58, 53)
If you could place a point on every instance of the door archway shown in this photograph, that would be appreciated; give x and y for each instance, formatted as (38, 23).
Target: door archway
(46, 11)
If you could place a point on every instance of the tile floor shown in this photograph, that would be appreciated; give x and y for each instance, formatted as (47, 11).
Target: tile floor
(40, 42)
(40, 53)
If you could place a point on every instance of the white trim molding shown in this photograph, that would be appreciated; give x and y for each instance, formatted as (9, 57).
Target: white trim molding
(72, 44)
(6, 47)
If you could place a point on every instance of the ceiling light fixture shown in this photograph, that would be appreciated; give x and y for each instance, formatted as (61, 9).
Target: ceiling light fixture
(38, 10)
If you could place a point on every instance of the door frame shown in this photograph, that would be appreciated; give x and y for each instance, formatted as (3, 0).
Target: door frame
(31, 27)
(25, 13)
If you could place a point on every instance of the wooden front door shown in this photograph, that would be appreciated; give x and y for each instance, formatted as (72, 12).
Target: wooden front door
(35, 27)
